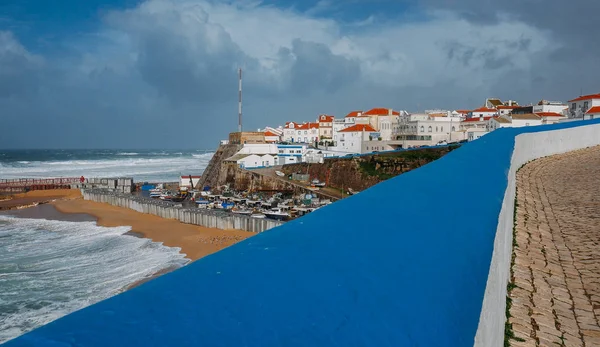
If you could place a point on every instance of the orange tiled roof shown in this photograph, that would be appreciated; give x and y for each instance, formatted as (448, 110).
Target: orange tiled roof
(358, 127)
(325, 118)
(549, 114)
(353, 114)
(380, 112)
(586, 97)
(463, 111)
(268, 133)
(595, 109)
(307, 126)
(484, 109)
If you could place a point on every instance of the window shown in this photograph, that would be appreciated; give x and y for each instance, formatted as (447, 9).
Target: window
(453, 128)
(585, 106)
(429, 129)
(442, 129)
(573, 106)
(305, 132)
(281, 151)
(422, 128)
(436, 129)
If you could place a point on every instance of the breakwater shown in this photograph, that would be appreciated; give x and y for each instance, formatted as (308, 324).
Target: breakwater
(165, 209)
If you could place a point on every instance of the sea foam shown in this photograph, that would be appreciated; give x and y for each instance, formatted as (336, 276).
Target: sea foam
(51, 268)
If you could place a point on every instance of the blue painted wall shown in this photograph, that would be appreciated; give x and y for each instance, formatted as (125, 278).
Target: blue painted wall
(403, 263)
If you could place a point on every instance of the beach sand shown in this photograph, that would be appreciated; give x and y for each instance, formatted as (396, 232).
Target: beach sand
(195, 241)
(36, 197)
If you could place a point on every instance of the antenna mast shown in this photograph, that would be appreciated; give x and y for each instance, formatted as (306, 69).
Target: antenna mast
(240, 101)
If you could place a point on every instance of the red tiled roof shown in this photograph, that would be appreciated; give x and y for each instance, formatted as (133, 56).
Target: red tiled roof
(268, 133)
(325, 118)
(595, 109)
(380, 112)
(476, 119)
(549, 114)
(507, 107)
(358, 127)
(353, 114)
(484, 109)
(463, 111)
(307, 126)
(586, 97)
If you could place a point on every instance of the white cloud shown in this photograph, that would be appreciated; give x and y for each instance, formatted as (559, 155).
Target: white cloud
(177, 58)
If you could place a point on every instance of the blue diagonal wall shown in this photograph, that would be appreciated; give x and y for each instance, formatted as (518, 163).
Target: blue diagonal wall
(404, 263)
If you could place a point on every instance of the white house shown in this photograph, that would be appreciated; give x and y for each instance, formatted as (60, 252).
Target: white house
(475, 133)
(424, 130)
(350, 139)
(325, 126)
(498, 122)
(581, 105)
(551, 117)
(289, 154)
(483, 112)
(550, 106)
(593, 112)
(253, 161)
(504, 110)
(273, 135)
(524, 120)
(474, 123)
(184, 181)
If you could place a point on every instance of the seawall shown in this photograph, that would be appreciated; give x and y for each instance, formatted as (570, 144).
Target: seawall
(370, 270)
(206, 218)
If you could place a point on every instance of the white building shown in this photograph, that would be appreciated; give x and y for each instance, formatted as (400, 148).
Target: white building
(325, 126)
(483, 112)
(301, 133)
(581, 105)
(493, 103)
(504, 110)
(550, 106)
(551, 117)
(525, 120)
(424, 130)
(253, 161)
(350, 139)
(475, 123)
(184, 181)
(498, 122)
(273, 135)
(290, 154)
(475, 133)
(593, 112)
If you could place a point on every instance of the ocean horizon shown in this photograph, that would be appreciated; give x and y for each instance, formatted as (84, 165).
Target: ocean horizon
(144, 165)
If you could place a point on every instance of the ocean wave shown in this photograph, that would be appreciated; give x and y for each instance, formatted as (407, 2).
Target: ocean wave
(151, 169)
(127, 153)
(86, 263)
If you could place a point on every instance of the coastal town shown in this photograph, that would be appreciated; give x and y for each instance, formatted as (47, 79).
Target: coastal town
(386, 129)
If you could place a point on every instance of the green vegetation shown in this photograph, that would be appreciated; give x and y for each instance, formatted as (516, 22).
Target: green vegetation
(368, 168)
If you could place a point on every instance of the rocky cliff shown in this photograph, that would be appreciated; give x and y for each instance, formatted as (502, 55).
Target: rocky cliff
(363, 172)
(212, 174)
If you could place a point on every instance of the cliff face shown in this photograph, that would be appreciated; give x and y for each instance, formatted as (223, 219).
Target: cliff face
(212, 174)
(363, 172)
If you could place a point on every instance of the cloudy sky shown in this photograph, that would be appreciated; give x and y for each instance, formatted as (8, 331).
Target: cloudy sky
(162, 73)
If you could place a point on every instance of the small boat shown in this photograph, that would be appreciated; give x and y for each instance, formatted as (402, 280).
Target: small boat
(167, 196)
(243, 212)
(279, 173)
(277, 213)
(155, 193)
(258, 215)
(352, 192)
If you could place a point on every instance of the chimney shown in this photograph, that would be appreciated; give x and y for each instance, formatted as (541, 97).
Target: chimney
(481, 118)
(390, 112)
(359, 114)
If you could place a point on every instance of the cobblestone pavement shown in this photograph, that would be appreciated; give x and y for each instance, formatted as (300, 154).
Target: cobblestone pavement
(556, 269)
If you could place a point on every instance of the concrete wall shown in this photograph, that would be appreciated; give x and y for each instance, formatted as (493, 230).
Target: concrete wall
(527, 147)
(206, 218)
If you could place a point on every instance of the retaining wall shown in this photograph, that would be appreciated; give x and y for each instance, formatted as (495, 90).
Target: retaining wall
(207, 218)
(418, 260)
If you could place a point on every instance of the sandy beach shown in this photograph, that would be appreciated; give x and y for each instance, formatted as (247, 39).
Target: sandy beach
(194, 241)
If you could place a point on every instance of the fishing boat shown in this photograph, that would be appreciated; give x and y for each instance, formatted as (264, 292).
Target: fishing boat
(352, 192)
(317, 183)
(242, 212)
(155, 193)
(167, 196)
(277, 214)
(279, 173)
(202, 203)
(258, 216)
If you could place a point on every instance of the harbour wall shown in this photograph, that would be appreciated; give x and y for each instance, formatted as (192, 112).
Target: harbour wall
(369, 270)
(206, 218)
